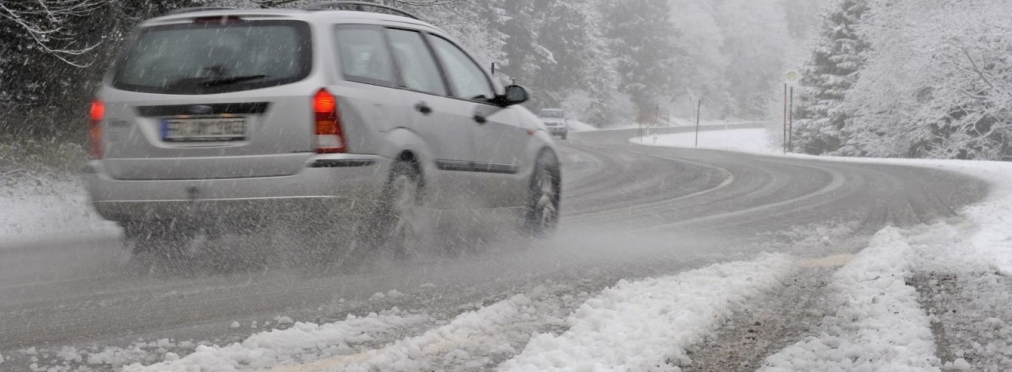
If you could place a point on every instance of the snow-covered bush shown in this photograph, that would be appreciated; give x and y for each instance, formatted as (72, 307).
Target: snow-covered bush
(939, 82)
(930, 78)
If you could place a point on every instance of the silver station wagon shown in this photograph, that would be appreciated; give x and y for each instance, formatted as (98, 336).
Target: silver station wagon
(219, 119)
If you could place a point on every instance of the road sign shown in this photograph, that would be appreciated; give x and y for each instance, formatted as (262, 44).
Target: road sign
(792, 77)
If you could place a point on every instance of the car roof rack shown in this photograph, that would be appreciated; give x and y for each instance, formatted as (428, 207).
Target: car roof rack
(359, 6)
(197, 9)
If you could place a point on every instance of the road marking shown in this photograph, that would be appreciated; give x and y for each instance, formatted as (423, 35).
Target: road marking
(728, 180)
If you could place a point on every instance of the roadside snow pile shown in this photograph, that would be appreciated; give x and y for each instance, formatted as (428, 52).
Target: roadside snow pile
(280, 347)
(993, 242)
(645, 325)
(579, 126)
(747, 140)
(138, 352)
(48, 208)
(878, 325)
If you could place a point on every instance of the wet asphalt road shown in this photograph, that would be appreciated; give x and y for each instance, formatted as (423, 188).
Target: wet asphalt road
(628, 212)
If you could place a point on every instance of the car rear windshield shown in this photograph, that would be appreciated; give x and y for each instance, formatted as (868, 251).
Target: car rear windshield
(215, 57)
(555, 114)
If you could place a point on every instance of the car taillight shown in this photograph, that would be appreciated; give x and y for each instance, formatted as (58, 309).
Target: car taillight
(96, 114)
(329, 136)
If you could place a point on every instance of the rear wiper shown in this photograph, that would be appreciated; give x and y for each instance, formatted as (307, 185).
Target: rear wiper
(231, 80)
(208, 82)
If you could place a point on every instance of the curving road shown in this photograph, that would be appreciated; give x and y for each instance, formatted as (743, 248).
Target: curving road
(628, 212)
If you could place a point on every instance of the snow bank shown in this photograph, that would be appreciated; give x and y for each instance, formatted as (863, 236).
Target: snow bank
(644, 325)
(48, 208)
(993, 241)
(878, 325)
(280, 347)
(579, 126)
(746, 140)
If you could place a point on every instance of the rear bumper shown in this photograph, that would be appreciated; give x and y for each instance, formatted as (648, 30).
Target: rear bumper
(328, 185)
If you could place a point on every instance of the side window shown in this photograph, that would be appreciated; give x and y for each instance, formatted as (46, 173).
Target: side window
(418, 68)
(363, 55)
(468, 80)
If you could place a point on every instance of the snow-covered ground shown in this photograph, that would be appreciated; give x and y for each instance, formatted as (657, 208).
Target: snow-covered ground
(886, 305)
(579, 126)
(991, 240)
(878, 324)
(631, 326)
(45, 208)
(882, 322)
(749, 140)
(674, 122)
(637, 326)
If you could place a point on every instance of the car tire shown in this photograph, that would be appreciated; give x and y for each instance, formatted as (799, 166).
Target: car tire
(564, 136)
(542, 212)
(398, 228)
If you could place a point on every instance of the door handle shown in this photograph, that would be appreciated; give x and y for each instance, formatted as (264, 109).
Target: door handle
(423, 108)
(480, 118)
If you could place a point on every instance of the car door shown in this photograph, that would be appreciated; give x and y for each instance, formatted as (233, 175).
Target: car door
(498, 140)
(434, 116)
(368, 98)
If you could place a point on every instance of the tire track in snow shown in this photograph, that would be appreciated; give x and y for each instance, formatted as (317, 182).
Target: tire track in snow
(632, 325)
(472, 341)
(650, 324)
(838, 182)
(878, 324)
(727, 178)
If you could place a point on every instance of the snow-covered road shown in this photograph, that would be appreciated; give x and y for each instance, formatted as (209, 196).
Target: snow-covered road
(668, 259)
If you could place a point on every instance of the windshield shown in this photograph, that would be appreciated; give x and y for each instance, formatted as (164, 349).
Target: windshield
(204, 58)
(552, 114)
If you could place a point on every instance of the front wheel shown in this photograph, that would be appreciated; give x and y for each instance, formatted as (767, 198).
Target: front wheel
(542, 213)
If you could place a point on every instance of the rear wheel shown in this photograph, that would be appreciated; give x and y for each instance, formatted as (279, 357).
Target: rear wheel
(399, 220)
(542, 214)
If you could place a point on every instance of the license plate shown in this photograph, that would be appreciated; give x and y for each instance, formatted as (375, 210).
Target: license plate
(203, 129)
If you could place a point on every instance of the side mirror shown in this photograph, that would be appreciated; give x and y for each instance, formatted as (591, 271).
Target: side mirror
(515, 95)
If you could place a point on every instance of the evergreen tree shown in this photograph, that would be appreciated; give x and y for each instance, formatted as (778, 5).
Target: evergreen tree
(643, 40)
(565, 34)
(827, 78)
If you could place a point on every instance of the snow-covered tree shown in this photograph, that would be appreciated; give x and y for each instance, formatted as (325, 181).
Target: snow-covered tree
(939, 82)
(756, 43)
(642, 38)
(566, 34)
(826, 79)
